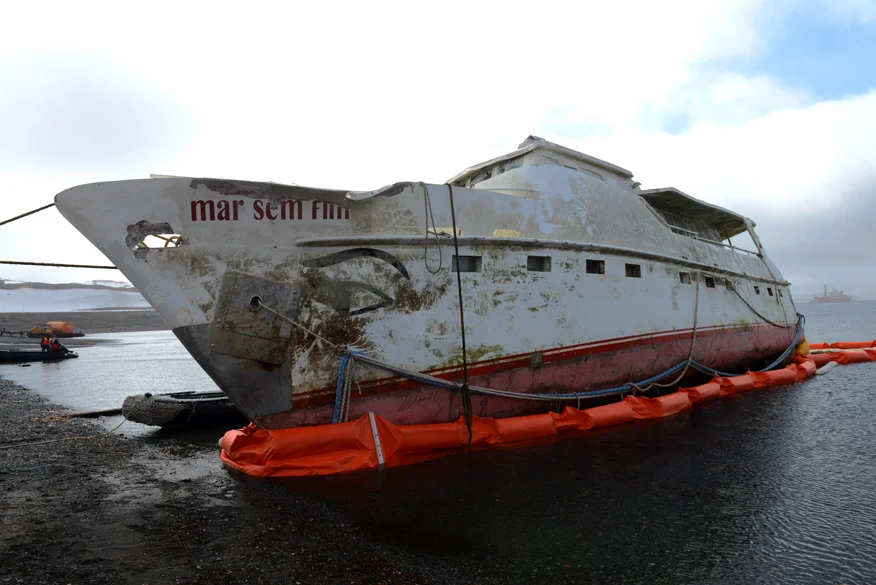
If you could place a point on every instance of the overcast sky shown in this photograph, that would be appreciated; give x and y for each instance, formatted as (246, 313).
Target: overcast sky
(767, 108)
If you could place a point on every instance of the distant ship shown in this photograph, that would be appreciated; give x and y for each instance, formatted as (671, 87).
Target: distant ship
(834, 296)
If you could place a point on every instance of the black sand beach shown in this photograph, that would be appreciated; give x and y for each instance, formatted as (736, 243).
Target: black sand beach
(115, 510)
(161, 509)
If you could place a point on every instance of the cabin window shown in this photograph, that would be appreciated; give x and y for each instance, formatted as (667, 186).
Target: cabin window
(780, 292)
(684, 277)
(757, 290)
(596, 267)
(538, 263)
(710, 282)
(634, 271)
(770, 291)
(466, 264)
(729, 284)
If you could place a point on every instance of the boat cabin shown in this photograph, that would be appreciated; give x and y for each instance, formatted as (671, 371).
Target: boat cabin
(689, 216)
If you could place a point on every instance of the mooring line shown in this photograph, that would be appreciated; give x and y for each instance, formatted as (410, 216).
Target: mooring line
(466, 392)
(10, 220)
(54, 265)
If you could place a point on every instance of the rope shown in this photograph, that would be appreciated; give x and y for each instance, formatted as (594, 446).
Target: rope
(261, 305)
(112, 430)
(342, 394)
(57, 265)
(10, 220)
(466, 394)
(442, 383)
(801, 322)
(345, 413)
(753, 310)
(52, 265)
(689, 360)
(429, 215)
(551, 396)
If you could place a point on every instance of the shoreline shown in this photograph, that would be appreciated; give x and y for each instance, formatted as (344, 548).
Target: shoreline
(111, 509)
(89, 322)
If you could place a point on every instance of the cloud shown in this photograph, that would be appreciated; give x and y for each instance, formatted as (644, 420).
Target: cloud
(357, 95)
(805, 175)
(79, 111)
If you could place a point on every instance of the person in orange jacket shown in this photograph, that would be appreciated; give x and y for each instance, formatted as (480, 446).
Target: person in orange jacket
(46, 343)
(56, 345)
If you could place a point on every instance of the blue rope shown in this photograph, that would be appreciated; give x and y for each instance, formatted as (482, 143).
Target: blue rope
(339, 393)
(801, 320)
(615, 390)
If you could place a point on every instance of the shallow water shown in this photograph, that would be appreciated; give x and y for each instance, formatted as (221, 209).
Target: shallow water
(855, 321)
(110, 367)
(769, 486)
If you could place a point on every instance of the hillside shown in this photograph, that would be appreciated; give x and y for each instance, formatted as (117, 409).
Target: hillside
(42, 297)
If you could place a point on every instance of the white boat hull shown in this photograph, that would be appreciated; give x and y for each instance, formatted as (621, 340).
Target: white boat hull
(360, 271)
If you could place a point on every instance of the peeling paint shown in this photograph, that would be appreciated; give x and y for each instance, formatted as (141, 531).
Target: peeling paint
(140, 230)
(389, 304)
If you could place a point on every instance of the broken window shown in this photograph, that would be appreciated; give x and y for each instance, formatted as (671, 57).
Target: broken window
(144, 234)
(684, 277)
(161, 241)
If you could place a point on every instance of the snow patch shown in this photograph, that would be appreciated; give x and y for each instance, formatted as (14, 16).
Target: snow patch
(31, 300)
(112, 283)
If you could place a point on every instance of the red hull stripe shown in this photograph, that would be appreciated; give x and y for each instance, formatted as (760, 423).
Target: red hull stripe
(487, 367)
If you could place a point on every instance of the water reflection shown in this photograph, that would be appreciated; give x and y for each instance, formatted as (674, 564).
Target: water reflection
(769, 486)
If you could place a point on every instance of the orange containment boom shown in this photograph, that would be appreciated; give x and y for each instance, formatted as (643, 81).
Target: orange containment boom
(372, 442)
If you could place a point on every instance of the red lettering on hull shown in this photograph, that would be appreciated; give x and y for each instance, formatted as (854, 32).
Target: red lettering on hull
(286, 210)
(222, 210)
(324, 210)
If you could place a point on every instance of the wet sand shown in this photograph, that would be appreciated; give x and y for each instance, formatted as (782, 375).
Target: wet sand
(117, 510)
(104, 321)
